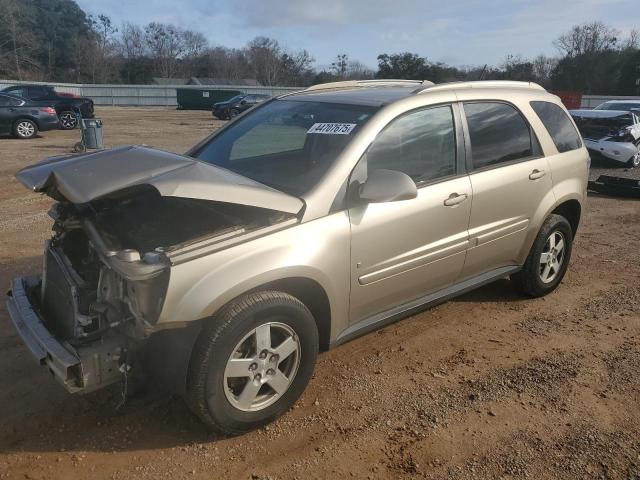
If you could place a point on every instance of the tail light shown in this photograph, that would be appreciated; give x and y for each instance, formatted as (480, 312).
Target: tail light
(66, 94)
(48, 110)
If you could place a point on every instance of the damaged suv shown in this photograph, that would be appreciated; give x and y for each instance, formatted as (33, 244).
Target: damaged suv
(314, 218)
(611, 131)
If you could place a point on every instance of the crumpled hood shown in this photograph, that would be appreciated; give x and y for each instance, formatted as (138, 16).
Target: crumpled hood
(86, 177)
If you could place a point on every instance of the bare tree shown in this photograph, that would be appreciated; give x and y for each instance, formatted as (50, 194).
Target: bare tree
(595, 37)
(265, 57)
(15, 42)
(543, 67)
(166, 45)
(102, 48)
(340, 65)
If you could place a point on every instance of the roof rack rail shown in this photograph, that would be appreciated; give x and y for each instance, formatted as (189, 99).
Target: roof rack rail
(480, 84)
(368, 83)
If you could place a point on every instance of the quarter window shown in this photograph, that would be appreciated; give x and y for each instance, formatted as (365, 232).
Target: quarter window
(421, 144)
(498, 134)
(557, 123)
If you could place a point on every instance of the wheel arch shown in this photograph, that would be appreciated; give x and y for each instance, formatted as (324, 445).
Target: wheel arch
(570, 209)
(25, 117)
(168, 352)
(315, 298)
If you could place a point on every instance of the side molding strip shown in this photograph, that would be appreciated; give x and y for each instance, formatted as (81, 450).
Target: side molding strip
(401, 311)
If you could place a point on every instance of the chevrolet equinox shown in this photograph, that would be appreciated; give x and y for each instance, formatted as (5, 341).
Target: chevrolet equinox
(305, 222)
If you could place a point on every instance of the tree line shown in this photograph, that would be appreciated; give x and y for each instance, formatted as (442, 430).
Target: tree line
(55, 40)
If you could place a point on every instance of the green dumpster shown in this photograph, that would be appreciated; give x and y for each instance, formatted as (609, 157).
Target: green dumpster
(202, 99)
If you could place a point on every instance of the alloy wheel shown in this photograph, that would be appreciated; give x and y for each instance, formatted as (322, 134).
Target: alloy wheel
(552, 257)
(25, 129)
(68, 120)
(262, 367)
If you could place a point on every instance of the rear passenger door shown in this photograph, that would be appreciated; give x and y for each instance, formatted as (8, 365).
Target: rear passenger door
(510, 178)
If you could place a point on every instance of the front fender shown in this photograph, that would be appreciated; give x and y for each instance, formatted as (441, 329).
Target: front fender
(317, 250)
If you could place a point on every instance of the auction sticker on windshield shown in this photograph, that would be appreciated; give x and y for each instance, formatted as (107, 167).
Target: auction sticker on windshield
(332, 128)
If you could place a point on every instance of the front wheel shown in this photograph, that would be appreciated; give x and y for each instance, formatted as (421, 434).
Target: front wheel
(68, 120)
(548, 259)
(25, 129)
(252, 362)
(634, 162)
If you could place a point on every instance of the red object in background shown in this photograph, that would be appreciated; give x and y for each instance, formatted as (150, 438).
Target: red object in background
(571, 100)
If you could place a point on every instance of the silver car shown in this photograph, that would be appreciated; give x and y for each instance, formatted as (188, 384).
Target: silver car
(310, 220)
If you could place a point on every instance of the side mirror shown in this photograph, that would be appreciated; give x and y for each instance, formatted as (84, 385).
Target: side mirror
(387, 186)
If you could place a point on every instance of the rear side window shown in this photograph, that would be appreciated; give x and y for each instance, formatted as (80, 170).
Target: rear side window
(558, 125)
(498, 134)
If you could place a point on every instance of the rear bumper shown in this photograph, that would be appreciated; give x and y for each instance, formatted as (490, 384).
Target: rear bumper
(79, 370)
(45, 124)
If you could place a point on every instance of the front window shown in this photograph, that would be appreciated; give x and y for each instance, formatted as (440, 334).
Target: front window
(286, 144)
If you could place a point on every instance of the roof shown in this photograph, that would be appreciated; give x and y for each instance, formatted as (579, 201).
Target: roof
(370, 96)
(381, 92)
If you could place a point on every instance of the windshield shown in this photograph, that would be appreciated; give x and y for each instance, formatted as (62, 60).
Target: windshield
(623, 107)
(286, 144)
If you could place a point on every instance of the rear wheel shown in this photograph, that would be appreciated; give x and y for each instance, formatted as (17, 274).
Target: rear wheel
(252, 362)
(548, 259)
(68, 120)
(25, 129)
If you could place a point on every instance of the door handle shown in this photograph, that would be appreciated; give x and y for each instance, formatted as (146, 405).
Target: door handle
(455, 199)
(536, 174)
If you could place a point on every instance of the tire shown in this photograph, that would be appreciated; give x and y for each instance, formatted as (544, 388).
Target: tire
(538, 278)
(233, 113)
(634, 162)
(25, 129)
(215, 389)
(68, 120)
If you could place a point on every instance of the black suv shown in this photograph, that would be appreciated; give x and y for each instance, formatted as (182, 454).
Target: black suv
(65, 104)
(230, 108)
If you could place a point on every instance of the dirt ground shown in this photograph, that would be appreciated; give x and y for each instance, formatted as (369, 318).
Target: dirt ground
(490, 385)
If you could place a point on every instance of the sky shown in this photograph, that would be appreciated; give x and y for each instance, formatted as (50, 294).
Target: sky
(472, 32)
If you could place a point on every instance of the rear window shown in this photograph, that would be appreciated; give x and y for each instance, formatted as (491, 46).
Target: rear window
(557, 123)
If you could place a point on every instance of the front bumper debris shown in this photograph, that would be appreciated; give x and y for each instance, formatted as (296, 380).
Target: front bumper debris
(616, 186)
(80, 370)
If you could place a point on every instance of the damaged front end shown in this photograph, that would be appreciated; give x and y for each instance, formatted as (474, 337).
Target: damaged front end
(107, 266)
(610, 135)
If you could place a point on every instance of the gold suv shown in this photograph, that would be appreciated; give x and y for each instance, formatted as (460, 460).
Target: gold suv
(308, 220)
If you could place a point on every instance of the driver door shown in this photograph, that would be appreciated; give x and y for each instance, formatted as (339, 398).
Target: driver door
(403, 250)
